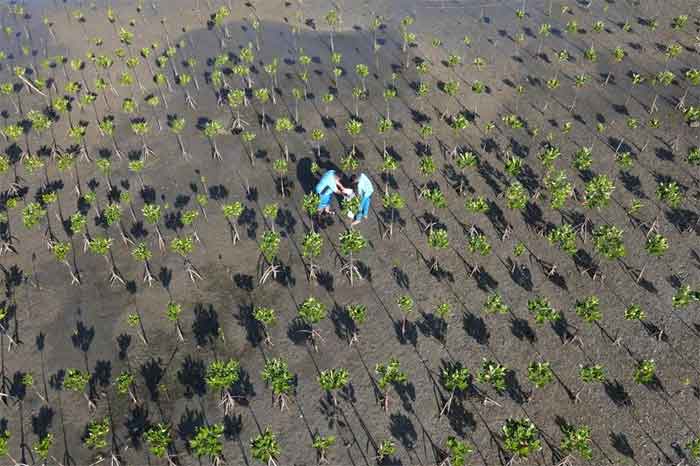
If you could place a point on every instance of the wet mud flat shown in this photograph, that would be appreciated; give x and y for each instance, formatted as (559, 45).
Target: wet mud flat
(58, 326)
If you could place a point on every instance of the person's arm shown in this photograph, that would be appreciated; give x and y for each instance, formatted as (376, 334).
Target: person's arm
(339, 188)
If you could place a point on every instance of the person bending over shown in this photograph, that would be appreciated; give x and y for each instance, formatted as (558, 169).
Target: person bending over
(365, 189)
(328, 185)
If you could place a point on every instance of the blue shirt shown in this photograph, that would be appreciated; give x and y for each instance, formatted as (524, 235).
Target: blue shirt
(364, 186)
(326, 184)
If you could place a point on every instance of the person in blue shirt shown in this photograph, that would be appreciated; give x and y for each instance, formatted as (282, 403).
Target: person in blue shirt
(365, 189)
(326, 187)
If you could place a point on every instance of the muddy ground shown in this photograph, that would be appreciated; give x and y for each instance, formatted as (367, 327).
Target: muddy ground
(60, 326)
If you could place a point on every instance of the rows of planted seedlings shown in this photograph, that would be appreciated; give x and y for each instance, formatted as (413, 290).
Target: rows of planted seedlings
(470, 188)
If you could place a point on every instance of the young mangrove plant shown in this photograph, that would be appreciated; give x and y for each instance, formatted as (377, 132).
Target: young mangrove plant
(207, 442)
(221, 375)
(277, 376)
(267, 318)
(334, 380)
(455, 379)
(357, 314)
(520, 438)
(389, 374)
(351, 243)
(265, 448)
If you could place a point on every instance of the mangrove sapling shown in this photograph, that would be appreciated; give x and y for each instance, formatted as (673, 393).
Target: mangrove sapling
(645, 372)
(309, 203)
(540, 373)
(354, 128)
(494, 305)
(543, 310)
(27, 382)
(451, 88)
(516, 196)
(589, 374)
(478, 244)
(684, 296)
(459, 123)
(211, 130)
(577, 440)
(207, 442)
(406, 305)
(670, 194)
(351, 243)
(277, 376)
(357, 314)
(152, 214)
(172, 312)
(589, 309)
(221, 375)
(78, 226)
(136, 166)
(284, 125)
(297, 95)
(559, 187)
(4, 317)
(350, 163)
(383, 127)
(443, 312)
(248, 137)
(322, 445)
(457, 452)
(183, 80)
(494, 374)
(311, 312)
(133, 319)
(333, 20)
(267, 318)
(107, 127)
(520, 438)
(477, 205)
(269, 248)
(334, 380)
(693, 447)
(60, 250)
(235, 98)
(389, 165)
(77, 381)
(437, 201)
(317, 136)
(392, 203)
(265, 448)
(608, 242)
(464, 160)
(96, 438)
(635, 312)
(232, 212)
(159, 439)
(389, 374)
(262, 95)
(311, 249)
(183, 247)
(124, 385)
(455, 379)
(281, 167)
(42, 447)
(385, 449)
(438, 240)
(101, 246)
(564, 237)
(188, 219)
(111, 215)
(177, 125)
